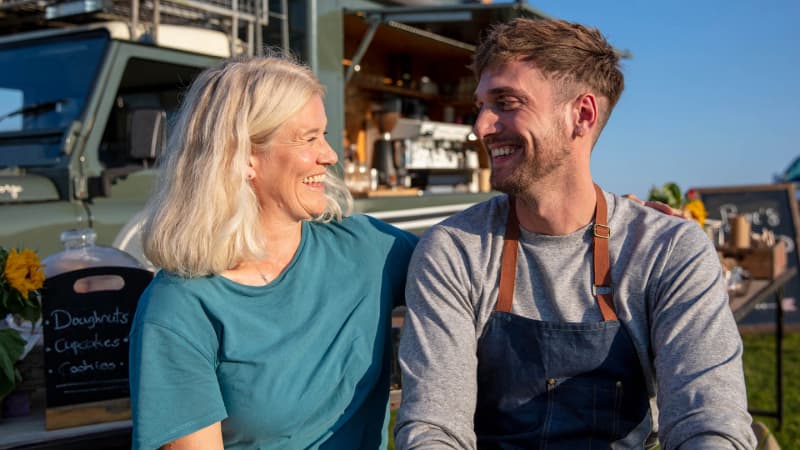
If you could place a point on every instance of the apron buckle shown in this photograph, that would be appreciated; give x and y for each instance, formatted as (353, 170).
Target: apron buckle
(601, 290)
(602, 231)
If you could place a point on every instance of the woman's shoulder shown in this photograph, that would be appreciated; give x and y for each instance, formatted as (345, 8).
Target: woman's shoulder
(174, 311)
(170, 296)
(366, 228)
(168, 283)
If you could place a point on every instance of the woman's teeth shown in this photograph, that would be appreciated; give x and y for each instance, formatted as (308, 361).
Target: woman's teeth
(314, 179)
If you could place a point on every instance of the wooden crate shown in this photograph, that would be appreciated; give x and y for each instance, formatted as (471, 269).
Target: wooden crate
(761, 263)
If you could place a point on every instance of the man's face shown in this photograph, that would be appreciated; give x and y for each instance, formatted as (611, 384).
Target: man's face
(523, 125)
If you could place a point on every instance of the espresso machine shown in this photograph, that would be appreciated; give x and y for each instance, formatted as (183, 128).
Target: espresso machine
(386, 156)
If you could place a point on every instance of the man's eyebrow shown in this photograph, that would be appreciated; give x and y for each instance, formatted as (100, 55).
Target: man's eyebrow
(502, 90)
(506, 90)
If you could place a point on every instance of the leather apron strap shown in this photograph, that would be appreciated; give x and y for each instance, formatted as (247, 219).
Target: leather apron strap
(601, 284)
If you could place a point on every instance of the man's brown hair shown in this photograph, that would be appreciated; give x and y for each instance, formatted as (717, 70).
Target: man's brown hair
(569, 53)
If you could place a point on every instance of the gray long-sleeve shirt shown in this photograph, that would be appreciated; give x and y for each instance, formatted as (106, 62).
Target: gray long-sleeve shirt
(668, 292)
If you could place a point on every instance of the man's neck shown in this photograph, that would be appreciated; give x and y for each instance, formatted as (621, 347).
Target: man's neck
(557, 209)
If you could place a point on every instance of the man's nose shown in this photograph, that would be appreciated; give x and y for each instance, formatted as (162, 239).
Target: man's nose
(487, 123)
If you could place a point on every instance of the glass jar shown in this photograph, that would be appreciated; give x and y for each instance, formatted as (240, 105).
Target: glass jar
(81, 252)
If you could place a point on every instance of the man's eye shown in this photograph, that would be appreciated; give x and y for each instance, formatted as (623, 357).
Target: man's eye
(506, 103)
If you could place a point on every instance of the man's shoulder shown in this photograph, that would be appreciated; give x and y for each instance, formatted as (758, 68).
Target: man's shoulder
(467, 233)
(479, 218)
(626, 210)
(655, 229)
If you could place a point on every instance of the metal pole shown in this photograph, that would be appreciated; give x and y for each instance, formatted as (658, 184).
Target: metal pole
(362, 48)
(250, 38)
(285, 26)
(311, 35)
(259, 38)
(779, 356)
(134, 23)
(156, 19)
(234, 26)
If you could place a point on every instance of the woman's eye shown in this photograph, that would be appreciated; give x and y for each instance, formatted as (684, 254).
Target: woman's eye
(316, 137)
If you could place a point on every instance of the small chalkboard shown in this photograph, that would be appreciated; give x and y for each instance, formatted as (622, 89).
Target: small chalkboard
(772, 207)
(86, 316)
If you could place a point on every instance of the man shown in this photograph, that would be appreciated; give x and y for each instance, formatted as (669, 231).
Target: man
(560, 316)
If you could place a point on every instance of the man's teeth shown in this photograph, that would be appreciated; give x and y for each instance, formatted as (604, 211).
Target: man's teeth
(314, 179)
(502, 151)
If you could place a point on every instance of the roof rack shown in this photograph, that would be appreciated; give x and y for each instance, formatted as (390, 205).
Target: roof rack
(242, 20)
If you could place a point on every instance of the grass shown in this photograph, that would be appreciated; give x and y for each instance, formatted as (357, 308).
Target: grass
(759, 369)
(392, 419)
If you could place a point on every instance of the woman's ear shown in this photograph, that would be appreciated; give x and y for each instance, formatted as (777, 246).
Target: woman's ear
(252, 163)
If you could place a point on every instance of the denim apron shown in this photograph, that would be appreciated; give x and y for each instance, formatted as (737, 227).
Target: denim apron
(559, 385)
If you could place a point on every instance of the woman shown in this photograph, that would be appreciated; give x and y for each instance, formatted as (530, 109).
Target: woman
(268, 326)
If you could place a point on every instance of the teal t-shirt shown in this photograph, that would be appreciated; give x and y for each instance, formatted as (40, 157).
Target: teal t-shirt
(302, 362)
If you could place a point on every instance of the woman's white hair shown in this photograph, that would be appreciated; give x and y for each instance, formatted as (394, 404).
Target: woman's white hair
(203, 217)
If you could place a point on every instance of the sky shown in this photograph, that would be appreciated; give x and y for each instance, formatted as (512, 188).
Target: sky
(712, 93)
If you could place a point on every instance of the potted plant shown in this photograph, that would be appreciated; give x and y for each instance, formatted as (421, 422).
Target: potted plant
(21, 278)
(689, 204)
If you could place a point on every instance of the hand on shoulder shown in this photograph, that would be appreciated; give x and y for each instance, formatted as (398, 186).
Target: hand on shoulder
(658, 206)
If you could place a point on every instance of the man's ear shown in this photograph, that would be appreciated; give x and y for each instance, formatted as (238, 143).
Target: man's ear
(585, 114)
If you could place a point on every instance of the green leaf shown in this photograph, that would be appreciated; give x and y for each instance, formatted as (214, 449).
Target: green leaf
(31, 310)
(658, 195)
(11, 348)
(674, 195)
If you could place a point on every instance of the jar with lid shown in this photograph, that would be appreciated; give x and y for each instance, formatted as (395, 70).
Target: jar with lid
(81, 252)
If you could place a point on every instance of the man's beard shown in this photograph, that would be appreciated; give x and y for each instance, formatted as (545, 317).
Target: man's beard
(548, 155)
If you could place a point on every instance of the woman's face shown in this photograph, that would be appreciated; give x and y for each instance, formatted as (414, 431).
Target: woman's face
(289, 175)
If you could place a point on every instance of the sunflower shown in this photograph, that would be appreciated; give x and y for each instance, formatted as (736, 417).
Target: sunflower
(696, 210)
(23, 271)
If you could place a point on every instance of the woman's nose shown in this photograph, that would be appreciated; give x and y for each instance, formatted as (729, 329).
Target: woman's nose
(328, 156)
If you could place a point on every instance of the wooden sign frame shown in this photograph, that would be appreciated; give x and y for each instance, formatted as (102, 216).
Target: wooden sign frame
(86, 317)
(766, 206)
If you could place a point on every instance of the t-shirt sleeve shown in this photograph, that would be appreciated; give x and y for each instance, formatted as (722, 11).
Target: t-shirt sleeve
(438, 349)
(698, 350)
(174, 388)
(401, 245)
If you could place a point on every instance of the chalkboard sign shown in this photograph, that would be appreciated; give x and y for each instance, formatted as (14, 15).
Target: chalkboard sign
(772, 207)
(86, 316)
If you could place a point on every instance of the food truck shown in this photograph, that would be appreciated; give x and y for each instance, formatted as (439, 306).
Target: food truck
(88, 88)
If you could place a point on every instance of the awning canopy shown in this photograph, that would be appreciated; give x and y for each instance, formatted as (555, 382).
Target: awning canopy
(461, 23)
(440, 28)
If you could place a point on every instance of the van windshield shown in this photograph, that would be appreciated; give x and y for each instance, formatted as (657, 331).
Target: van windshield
(44, 83)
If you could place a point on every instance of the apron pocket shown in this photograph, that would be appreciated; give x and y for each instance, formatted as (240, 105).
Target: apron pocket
(581, 409)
